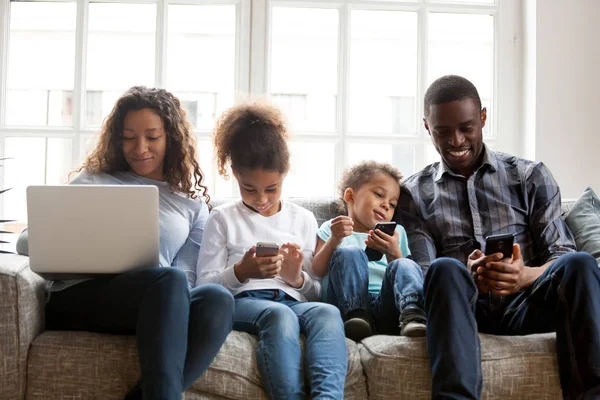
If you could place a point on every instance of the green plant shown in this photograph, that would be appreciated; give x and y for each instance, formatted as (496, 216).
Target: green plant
(3, 221)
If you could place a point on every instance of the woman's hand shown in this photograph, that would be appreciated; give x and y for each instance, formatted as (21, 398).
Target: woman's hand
(254, 267)
(291, 268)
(387, 244)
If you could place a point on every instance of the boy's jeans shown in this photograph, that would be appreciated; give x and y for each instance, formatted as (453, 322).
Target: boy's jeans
(278, 319)
(565, 299)
(348, 289)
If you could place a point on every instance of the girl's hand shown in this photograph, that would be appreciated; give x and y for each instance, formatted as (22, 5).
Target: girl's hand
(387, 244)
(341, 226)
(291, 267)
(254, 267)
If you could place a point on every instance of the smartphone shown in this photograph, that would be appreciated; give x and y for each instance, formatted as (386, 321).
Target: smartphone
(387, 227)
(500, 244)
(267, 249)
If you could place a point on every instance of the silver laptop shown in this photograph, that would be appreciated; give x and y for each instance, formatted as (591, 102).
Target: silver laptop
(85, 230)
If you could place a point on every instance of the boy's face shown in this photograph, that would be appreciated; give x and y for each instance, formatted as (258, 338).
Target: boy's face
(375, 201)
(260, 189)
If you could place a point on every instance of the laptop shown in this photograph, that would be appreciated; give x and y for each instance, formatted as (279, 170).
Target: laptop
(78, 231)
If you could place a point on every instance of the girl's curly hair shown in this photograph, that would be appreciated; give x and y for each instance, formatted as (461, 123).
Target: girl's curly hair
(357, 175)
(250, 136)
(181, 168)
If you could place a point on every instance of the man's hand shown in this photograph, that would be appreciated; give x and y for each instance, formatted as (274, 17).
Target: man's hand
(477, 260)
(291, 268)
(508, 276)
(387, 244)
(254, 267)
(341, 227)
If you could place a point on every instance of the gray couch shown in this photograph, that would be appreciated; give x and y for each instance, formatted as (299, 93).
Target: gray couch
(40, 364)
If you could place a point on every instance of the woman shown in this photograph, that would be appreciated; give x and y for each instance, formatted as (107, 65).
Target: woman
(147, 140)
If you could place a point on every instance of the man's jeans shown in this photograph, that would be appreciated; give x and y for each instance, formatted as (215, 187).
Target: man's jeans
(278, 319)
(348, 289)
(178, 331)
(565, 299)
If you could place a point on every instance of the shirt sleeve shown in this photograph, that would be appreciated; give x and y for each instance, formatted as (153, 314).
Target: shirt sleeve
(212, 260)
(552, 237)
(420, 242)
(187, 256)
(324, 232)
(311, 288)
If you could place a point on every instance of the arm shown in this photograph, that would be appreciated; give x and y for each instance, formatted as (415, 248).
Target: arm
(187, 256)
(421, 244)
(311, 286)
(329, 237)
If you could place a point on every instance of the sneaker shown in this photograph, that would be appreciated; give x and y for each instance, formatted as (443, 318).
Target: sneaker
(413, 329)
(357, 325)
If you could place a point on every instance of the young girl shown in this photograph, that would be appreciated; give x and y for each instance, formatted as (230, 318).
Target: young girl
(370, 292)
(271, 293)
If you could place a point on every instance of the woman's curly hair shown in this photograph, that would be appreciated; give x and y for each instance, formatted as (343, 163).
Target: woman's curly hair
(181, 168)
(251, 136)
(357, 175)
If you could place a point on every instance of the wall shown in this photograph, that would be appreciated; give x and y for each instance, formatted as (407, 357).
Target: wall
(567, 91)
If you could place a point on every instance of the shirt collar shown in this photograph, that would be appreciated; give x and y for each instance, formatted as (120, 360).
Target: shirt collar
(489, 158)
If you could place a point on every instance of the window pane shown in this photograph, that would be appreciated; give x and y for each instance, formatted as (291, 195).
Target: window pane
(465, 1)
(41, 59)
(358, 152)
(201, 59)
(120, 54)
(217, 186)
(383, 72)
(307, 176)
(303, 68)
(463, 44)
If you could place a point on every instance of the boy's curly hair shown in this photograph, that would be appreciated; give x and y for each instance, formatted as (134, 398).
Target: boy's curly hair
(181, 168)
(251, 136)
(357, 175)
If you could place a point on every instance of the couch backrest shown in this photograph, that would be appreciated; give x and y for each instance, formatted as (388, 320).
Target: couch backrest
(326, 208)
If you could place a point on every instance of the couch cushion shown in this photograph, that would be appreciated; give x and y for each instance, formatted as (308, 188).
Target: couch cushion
(84, 365)
(584, 221)
(514, 367)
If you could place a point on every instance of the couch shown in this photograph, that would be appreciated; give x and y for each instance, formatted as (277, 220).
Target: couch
(40, 364)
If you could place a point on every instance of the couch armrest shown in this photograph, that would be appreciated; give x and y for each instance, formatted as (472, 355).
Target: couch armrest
(22, 302)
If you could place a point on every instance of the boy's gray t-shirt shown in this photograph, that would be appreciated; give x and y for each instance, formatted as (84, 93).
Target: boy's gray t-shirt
(181, 221)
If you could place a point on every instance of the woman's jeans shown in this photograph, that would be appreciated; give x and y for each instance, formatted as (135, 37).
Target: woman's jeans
(565, 299)
(178, 331)
(402, 288)
(278, 319)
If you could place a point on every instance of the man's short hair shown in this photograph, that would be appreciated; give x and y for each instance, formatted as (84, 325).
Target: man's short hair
(450, 88)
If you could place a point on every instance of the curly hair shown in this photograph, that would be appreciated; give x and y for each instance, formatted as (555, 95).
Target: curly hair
(181, 168)
(251, 136)
(357, 175)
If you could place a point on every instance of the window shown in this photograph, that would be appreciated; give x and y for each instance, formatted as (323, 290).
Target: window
(350, 76)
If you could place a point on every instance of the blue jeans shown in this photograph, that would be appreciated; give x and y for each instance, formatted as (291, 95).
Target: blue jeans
(178, 331)
(565, 299)
(278, 319)
(348, 289)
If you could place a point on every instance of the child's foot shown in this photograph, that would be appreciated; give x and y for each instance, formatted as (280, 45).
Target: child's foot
(412, 323)
(357, 325)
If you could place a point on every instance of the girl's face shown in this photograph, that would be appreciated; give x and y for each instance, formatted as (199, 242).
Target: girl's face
(145, 143)
(260, 189)
(375, 201)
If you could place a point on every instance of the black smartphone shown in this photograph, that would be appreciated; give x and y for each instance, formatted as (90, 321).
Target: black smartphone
(387, 227)
(500, 244)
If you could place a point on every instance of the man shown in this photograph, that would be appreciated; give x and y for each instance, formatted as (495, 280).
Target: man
(449, 208)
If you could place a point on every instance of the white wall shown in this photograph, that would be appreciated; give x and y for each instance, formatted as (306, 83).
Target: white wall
(567, 92)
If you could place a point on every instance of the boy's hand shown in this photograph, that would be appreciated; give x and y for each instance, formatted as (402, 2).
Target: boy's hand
(291, 267)
(387, 244)
(341, 226)
(254, 267)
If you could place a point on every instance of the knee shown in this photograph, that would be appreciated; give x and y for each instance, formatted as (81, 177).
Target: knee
(280, 320)
(401, 265)
(580, 265)
(328, 318)
(220, 299)
(348, 255)
(174, 278)
(448, 272)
